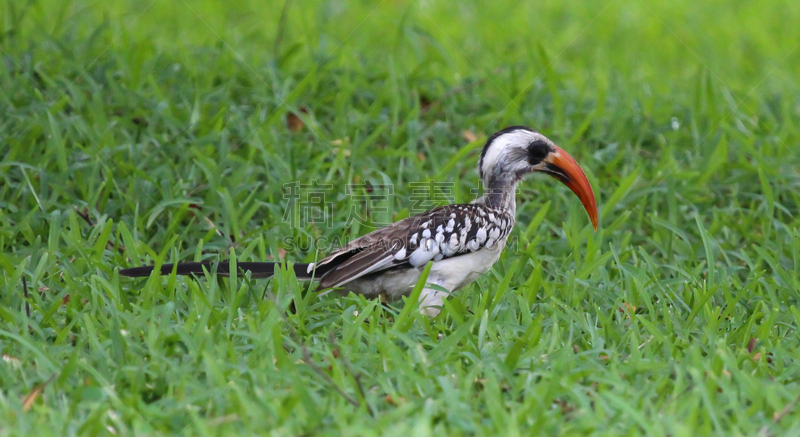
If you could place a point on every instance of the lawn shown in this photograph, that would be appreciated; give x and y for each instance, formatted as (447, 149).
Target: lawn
(135, 132)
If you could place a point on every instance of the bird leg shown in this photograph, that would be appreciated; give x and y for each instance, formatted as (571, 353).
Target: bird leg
(431, 301)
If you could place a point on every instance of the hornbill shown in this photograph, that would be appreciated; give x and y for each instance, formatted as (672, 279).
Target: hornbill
(462, 240)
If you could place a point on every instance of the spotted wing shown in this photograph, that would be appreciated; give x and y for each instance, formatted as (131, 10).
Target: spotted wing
(440, 233)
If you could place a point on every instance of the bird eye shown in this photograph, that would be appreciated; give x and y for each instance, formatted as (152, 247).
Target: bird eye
(537, 151)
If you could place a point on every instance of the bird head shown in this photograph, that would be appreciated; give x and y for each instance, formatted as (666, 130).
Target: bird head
(514, 152)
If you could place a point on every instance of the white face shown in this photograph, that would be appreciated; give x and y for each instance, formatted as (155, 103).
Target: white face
(507, 154)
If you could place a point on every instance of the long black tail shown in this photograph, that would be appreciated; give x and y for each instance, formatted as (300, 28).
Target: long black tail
(256, 269)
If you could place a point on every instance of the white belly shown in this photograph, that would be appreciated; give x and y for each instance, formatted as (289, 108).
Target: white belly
(454, 273)
(450, 273)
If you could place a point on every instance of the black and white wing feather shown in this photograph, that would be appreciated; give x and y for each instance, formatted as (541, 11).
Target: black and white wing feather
(440, 233)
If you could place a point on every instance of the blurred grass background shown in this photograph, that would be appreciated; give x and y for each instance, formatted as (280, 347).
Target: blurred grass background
(134, 132)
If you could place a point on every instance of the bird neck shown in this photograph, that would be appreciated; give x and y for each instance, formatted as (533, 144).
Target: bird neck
(499, 193)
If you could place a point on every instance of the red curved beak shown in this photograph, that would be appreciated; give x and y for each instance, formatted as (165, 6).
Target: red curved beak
(562, 167)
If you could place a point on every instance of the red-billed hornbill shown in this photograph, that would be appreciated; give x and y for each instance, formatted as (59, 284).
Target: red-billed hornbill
(462, 240)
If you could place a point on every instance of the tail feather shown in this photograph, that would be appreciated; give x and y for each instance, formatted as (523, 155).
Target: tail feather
(256, 269)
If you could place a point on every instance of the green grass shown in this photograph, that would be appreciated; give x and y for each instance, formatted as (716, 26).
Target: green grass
(140, 132)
